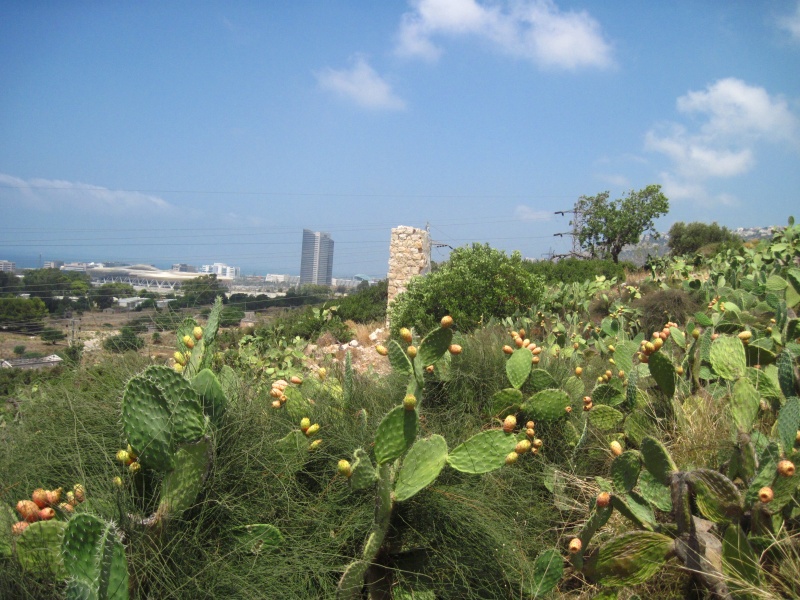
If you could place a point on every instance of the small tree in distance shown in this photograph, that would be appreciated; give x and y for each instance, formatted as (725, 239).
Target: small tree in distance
(606, 227)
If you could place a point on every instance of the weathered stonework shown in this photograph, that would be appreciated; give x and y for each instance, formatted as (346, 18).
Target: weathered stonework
(409, 256)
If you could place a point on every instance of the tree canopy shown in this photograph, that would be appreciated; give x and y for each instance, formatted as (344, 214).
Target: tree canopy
(606, 227)
(687, 239)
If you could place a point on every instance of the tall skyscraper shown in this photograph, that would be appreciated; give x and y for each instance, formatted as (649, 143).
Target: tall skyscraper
(316, 261)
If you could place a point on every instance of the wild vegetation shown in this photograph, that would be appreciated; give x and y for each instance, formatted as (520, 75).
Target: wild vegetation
(612, 437)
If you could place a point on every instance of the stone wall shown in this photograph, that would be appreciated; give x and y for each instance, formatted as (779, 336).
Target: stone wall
(409, 256)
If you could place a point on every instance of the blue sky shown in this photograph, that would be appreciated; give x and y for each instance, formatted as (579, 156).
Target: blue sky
(206, 132)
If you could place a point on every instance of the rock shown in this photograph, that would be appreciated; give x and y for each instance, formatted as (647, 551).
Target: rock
(354, 343)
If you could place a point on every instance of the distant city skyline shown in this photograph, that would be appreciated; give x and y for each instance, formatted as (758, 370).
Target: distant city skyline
(316, 260)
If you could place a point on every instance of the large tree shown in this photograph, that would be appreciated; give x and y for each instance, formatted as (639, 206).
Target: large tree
(605, 227)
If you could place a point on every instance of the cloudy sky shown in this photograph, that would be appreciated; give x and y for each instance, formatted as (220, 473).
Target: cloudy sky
(203, 132)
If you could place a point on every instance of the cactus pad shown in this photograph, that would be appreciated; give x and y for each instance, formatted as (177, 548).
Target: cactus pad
(364, 474)
(547, 572)
(607, 394)
(434, 345)
(657, 494)
(789, 422)
(257, 537)
(632, 558)
(727, 357)
(505, 401)
(716, 496)
(663, 371)
(95, 558)
(180, 487)
(738, 559)
(574, 387)
(635, 508)
(7, 520)
(625, 471)
(421, 466)
(657, 460)
(542, 380)
(398, 358)
(547, 405)
(211, 394)
(604, 417)
(296, 405)
(744, 405)
(518, 367)
(146, 423)
(396, 432)
(39, 548)
(483, 452)
(764, 384)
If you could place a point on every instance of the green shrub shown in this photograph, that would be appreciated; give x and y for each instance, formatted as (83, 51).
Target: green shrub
(231, 316)
(366, 304)
(576, 270)
(477, 283)
(125, 341)
(19, 350)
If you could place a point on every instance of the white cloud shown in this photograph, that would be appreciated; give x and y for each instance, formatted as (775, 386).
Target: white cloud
(728, 121)
(526, 213)
(53, 194)
(535, 30)
(791, 23)
(362, 85)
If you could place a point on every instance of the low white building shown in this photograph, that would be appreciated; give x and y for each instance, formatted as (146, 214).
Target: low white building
(221, 270)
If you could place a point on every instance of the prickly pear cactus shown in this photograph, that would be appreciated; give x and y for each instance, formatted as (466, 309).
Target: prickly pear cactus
(94, 559)
(421, 466)
(38, 548)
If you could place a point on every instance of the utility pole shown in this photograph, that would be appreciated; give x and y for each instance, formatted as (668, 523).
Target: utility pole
(577, 225)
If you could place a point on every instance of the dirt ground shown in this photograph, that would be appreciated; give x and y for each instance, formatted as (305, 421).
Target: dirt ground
(93, 328)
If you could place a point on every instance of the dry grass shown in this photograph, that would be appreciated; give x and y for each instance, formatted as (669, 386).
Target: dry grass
(705, 429)
(362, 331)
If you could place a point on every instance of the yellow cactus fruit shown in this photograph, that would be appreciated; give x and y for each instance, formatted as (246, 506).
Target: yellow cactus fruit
(188, 341)
(315, 444)
(67, 508)
(80, 493)
(511, 458)
(381, 349)
(405, 335)
(178, 367)
(522, 446)
(535, 360)
(616, 448)
(696, 333)
(537, 443)
(411, 351)
(658, 343)
(344, 468)
(276, 404)
(575, 545)
(530, 433)
(123, 456)
(197, 332)
(312, 430)
(117, 481)
(410, 402)
(679, 370)
(578, 371)
(322, 373)
(134, 468)
(305, 423)
(454, 349)
(509, 423)
(179, 358)
(446, 322)
(745, 336)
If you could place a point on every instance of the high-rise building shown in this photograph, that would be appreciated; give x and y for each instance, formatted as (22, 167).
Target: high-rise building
(316, 261)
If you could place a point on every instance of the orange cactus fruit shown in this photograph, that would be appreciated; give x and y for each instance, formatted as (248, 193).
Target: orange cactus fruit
(786, 468)
(446, 322)
(578, 371)
(47, 513)
(296, 380)
(766, 495)
(19, 527)
(603, 499)
(405, 335)
(575, 546)
(454, 349)
(197, 332)
(28, 510)
(54, 496)
(80, 493)
(616, 448)
(381, 349)
(39, 496)
(522, 446)
(508, 349)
